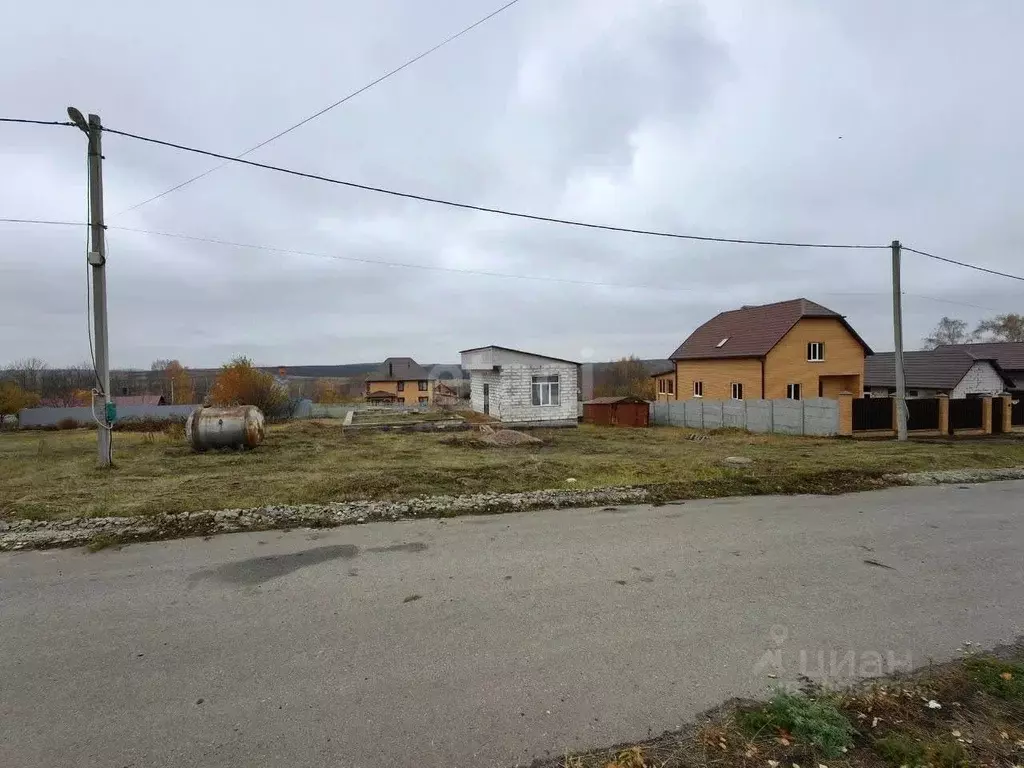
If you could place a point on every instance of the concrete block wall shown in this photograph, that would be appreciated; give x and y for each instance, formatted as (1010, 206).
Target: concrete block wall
(49, 417)
(817, 416)
(516, 385)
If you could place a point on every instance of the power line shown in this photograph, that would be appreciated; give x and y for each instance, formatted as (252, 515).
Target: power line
(484, 209)
(328, 108)
(480, 272)
(382, 263)
(44, 221)
(963, 264)
(34, 122)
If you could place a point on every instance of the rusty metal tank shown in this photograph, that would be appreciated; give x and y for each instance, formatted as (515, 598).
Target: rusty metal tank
(237, 427)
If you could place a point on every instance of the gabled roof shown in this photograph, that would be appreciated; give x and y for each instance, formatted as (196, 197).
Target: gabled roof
(519, 351)
(941, 368)
(753, 331)
(615, 399)
(1009, 354)
(399, 369)
(663, 372)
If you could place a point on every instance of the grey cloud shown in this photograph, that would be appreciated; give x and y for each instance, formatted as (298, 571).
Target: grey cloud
(716, 118)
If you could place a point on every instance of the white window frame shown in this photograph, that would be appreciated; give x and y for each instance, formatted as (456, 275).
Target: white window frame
(816, 347)
(670, 387)
(698, 389)
(661, 386)
(544, 391)
(737, 390)
(793, 389)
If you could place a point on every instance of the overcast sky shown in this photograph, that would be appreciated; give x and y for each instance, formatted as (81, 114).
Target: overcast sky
(850, 120)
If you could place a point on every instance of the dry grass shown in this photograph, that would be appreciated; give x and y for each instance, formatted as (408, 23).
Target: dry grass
(53, 474)
(884, 724)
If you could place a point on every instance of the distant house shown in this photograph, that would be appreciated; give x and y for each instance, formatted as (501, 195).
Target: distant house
(791, 349)
(1008, 355)
(521, 387)
(952, 371)
(399, 380)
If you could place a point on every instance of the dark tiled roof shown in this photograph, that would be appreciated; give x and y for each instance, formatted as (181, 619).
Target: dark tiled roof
(941, 368)
(1009, 354)
(752, 331)
(399, 369)
(381, 395)
(614, 399)
(663, 371)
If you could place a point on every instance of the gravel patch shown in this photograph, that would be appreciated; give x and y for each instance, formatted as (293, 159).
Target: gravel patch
(944, 476)
(79, 531)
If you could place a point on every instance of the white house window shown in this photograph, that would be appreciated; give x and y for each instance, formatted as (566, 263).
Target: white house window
(670, 386)
(545, 390)
(737, 391)
(815, 351)
(698, 389)
(793, 391)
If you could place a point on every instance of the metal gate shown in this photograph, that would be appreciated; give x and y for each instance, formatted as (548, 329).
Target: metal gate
(872, 413)
(923, 413)
(998, 409)
(964, 414)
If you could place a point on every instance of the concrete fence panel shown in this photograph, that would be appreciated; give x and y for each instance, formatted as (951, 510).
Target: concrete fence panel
(712, 413)
(817, 416)
(759, 415)
(34, 418)
(821, 416)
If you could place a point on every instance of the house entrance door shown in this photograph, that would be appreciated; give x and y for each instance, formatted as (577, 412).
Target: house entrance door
(487, 399)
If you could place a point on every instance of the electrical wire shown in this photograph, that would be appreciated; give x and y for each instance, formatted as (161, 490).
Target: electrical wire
(963, 264)
(329, 107)
(44, 221)
(481, 272)
(485, 209)
(35, 122)
(383, 263)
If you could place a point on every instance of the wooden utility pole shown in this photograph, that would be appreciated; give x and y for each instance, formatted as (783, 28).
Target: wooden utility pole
(97, 257)
(897, 329)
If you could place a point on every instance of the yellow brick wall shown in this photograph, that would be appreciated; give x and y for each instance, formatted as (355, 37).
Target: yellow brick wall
(411, 393)
(718, 377)
(666, 377)
(787, 362)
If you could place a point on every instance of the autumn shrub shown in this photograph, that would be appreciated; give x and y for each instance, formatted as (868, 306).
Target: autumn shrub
(241, 383)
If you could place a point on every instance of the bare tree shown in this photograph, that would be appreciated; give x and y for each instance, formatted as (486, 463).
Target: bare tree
(1008, 327)
(26, 373)
(627, 376)
(949, 330)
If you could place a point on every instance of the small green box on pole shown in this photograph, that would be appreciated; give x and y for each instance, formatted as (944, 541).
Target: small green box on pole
(110, 410)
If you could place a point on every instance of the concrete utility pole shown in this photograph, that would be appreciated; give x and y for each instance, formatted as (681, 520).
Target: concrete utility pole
(897, 329)
(97, 260)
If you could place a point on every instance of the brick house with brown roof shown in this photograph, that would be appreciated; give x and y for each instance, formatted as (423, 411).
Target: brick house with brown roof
(399, 380)
(790, 349)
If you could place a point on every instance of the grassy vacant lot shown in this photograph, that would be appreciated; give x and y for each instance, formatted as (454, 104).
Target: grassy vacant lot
(976, 719)
(53, 474)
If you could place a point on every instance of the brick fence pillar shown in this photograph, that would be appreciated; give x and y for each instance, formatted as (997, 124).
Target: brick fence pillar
(1007, 413)
(943, 414)
(986, 415)
(845, 413)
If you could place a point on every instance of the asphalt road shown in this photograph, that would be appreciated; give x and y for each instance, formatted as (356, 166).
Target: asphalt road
(486, 641)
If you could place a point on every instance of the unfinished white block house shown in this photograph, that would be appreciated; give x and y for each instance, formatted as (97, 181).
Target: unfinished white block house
(517, 387)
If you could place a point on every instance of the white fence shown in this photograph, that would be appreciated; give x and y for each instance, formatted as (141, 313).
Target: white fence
(817, 416)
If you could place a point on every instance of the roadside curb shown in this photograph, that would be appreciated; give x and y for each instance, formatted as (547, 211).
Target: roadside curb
(100, 532)
(108, 531)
